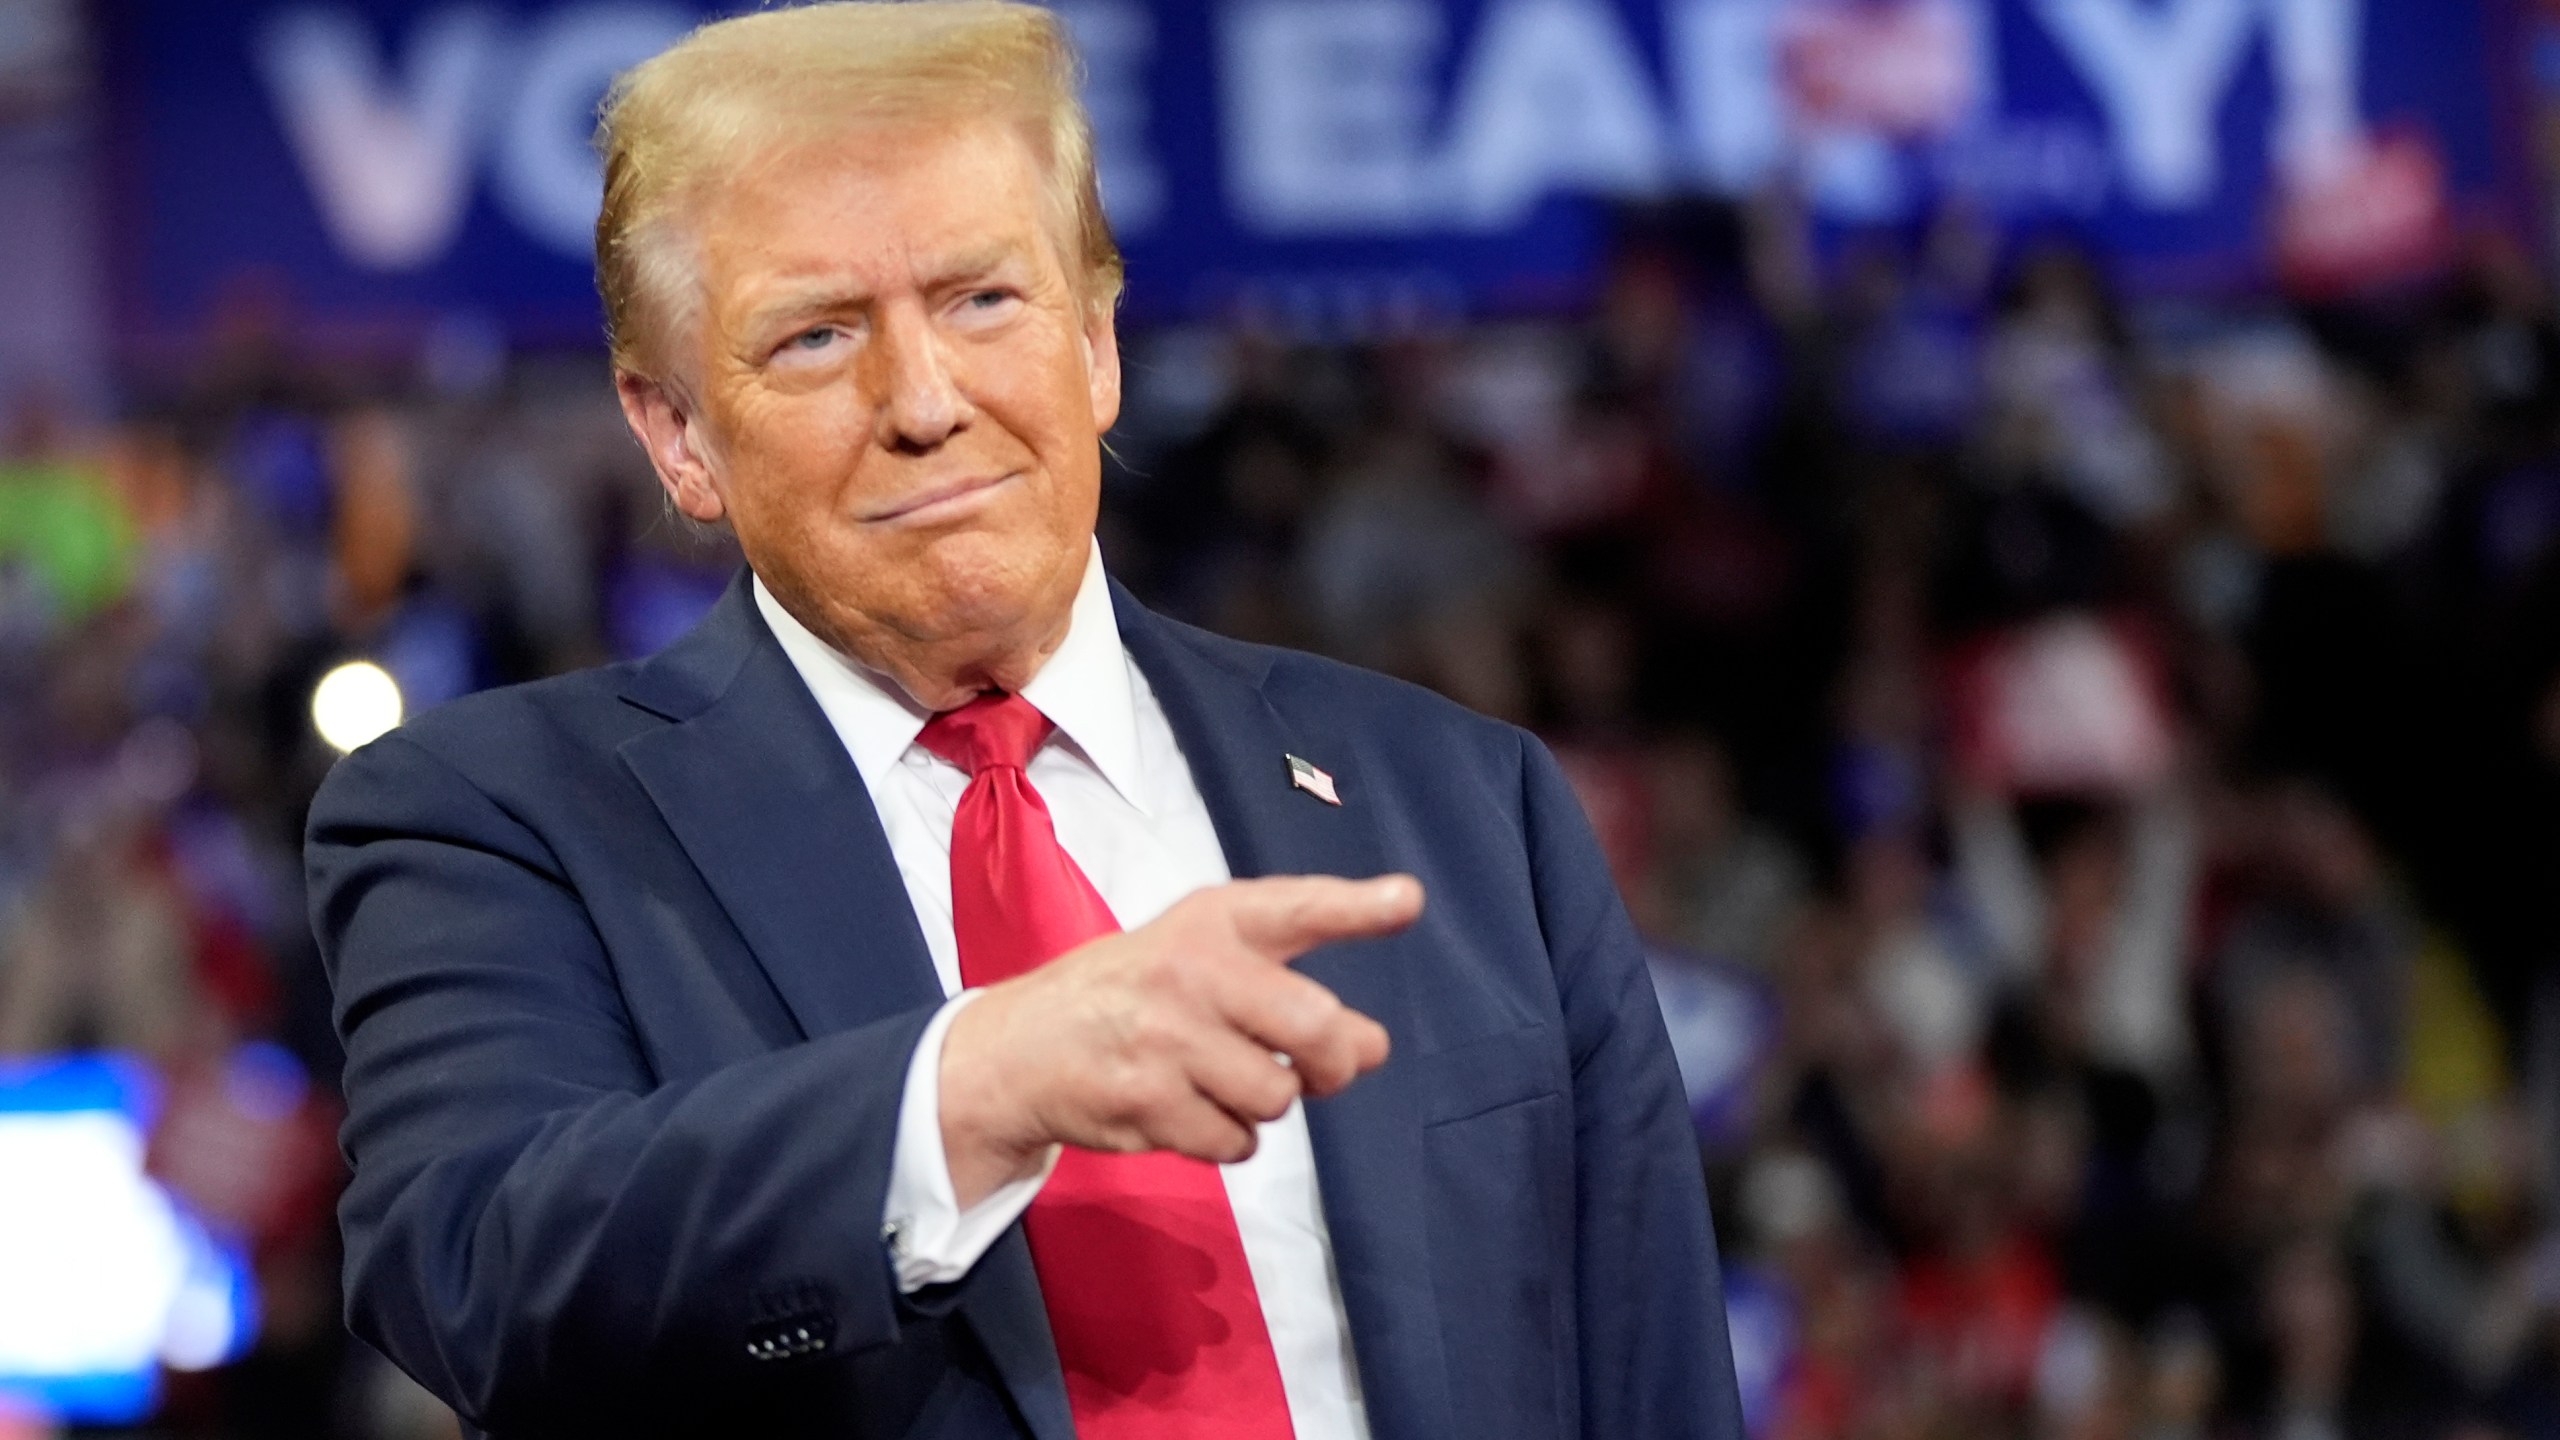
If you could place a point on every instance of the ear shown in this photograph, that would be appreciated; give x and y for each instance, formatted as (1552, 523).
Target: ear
(671, 432)
(1102, 366)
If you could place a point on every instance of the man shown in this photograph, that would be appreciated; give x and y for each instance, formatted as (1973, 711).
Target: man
(846, 1023)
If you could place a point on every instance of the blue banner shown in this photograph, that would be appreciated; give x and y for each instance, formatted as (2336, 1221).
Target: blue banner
(386, 163)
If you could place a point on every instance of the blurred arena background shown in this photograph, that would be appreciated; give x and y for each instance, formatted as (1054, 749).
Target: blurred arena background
(2034, 525)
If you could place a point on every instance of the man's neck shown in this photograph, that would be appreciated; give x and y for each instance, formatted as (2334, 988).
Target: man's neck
(945, 671)
(947, 675)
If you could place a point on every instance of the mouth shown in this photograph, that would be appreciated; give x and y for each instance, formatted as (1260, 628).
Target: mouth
(939, 501)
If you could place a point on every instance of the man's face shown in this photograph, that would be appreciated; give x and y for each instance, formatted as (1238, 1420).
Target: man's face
(896, 392)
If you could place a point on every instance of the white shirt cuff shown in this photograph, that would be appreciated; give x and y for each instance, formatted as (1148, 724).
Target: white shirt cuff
(931, 1240)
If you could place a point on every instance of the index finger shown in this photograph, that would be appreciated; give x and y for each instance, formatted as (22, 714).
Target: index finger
(1286, 916)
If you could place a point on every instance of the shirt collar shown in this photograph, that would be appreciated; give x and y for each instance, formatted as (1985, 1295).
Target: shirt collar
(1085, 688)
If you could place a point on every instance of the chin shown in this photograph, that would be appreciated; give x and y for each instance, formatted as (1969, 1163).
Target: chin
(982, 584)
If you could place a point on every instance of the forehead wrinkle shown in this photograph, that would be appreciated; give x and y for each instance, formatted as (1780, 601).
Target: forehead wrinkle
(813, 298)
(758, 264)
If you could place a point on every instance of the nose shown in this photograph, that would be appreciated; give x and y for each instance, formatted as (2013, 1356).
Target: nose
(919, 404)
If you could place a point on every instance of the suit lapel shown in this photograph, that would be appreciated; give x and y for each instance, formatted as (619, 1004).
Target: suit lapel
(1367, 1140)
(758, 789)
(766, 803)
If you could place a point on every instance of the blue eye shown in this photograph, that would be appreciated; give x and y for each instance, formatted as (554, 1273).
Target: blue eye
(814, 339)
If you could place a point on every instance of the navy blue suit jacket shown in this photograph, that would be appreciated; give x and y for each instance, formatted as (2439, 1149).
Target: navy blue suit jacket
(628, 982)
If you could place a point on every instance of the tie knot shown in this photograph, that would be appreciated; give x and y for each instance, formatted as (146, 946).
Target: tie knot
(995, 729)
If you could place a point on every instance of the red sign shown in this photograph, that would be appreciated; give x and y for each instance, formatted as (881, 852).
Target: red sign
(2071, 704)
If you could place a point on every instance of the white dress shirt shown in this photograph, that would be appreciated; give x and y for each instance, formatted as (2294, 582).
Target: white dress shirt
(1126, 809)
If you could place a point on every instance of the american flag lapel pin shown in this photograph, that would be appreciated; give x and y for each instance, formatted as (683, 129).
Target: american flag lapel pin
(1307, 777)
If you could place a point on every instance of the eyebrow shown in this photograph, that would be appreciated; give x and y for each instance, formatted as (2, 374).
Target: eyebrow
(800, 301)
(825, 296)
(974, 264)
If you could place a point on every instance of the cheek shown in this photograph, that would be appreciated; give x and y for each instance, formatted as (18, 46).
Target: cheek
(1067, 437)
(794, 450)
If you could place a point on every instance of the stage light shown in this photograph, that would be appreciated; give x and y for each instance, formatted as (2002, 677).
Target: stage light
(105, 1276)
(355, 703)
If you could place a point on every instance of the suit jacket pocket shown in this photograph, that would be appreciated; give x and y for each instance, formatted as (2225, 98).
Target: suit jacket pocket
(1498, 1143)
(1474, 1076)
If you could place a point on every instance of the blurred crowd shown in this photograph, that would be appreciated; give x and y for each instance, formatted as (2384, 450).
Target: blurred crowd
(2087, 772)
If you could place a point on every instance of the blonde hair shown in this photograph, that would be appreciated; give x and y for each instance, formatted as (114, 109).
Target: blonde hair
(673, 125)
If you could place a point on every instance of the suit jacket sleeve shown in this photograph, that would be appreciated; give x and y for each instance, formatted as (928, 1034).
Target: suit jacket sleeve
(540, 1231)
(1655, 1360)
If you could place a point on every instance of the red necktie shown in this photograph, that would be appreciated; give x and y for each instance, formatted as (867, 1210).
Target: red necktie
(1158, 1326)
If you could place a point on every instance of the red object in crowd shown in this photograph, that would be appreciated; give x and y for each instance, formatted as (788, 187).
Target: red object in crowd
(1611, 783)
(2377, 216)
(251, 1151)
(2072, 704)
(1981, 1320)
